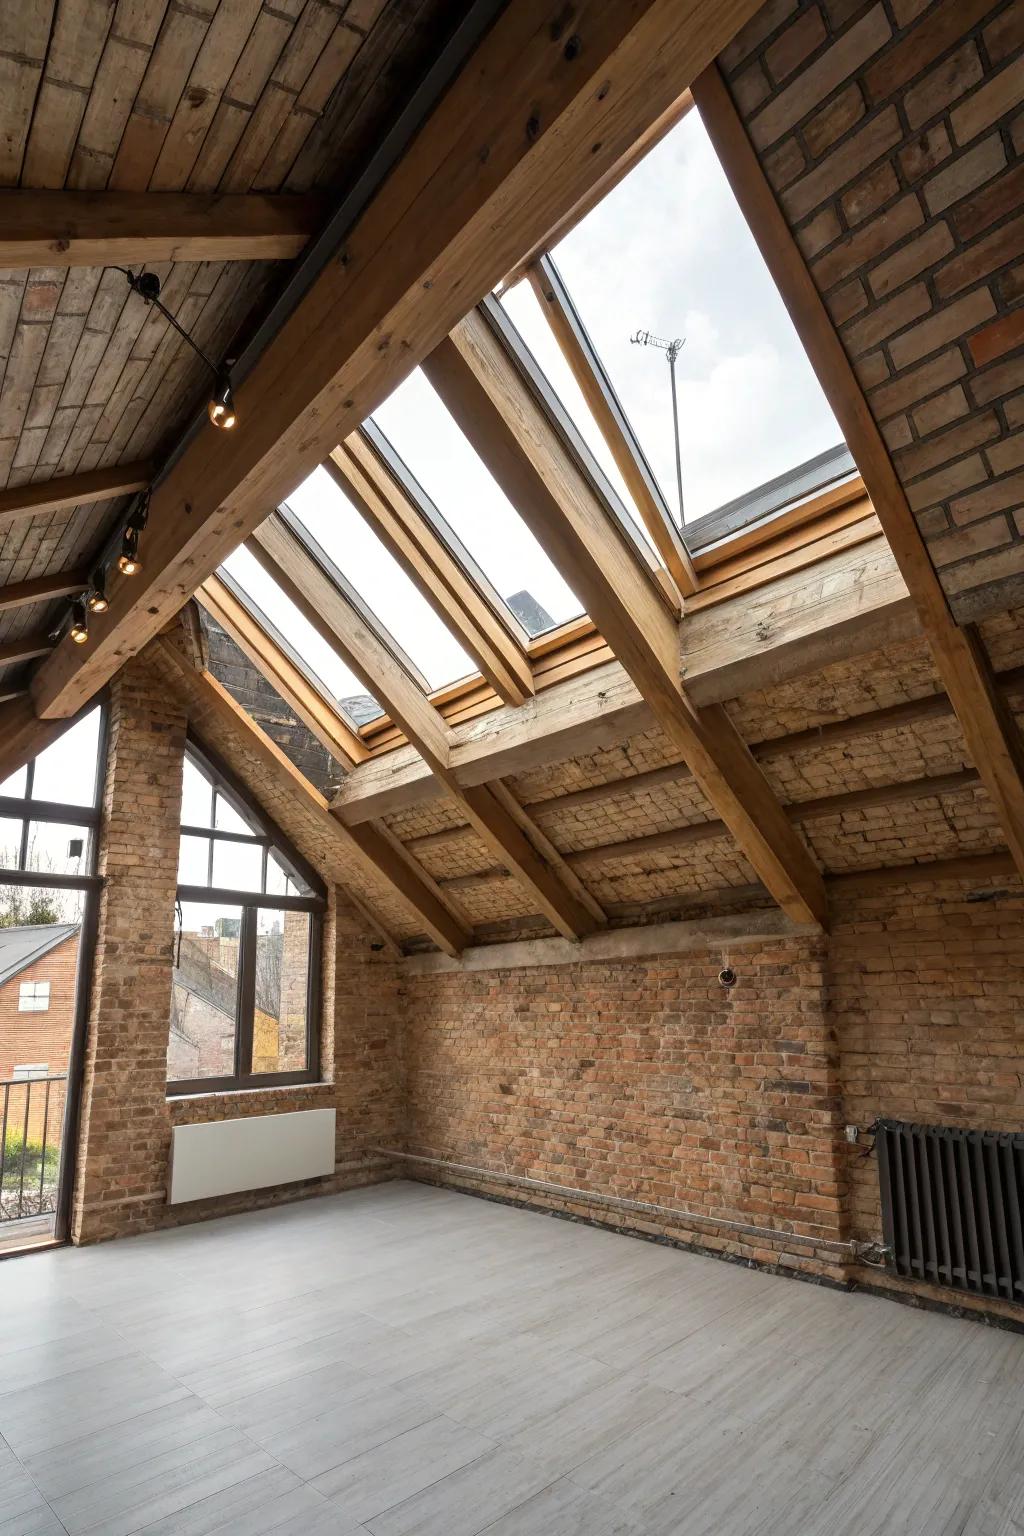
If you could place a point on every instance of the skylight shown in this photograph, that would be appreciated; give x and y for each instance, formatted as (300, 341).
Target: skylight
(323, 508)
(265, 594)
(420, 428)
(668, 251)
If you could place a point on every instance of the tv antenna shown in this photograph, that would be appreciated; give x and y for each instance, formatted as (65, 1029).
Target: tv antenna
(672, 350)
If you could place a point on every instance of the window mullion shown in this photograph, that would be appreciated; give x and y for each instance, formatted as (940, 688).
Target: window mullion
(246, 994)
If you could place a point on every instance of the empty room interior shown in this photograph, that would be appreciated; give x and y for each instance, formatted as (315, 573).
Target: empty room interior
(512, 767)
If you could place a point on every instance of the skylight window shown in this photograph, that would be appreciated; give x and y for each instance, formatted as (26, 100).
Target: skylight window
(421, 430)
(336, 676)
(668, 250)
(324, 509)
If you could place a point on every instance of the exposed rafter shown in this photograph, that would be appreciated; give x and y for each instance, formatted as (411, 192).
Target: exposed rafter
(487, 394)
(992, 736)
(99, 229)
(421, 552)
(539, 114)
(71, 491)
(306, 575)
(367, 848)
(852, 603)
(268, 653)
(25, 648)
(38, 589)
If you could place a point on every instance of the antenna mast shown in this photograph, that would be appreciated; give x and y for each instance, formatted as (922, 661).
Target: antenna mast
(672, 350)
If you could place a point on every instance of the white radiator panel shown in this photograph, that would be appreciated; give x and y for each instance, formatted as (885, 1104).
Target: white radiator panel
(223, 1157)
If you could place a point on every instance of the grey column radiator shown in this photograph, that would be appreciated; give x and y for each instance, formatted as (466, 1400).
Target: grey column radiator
(953, 1206)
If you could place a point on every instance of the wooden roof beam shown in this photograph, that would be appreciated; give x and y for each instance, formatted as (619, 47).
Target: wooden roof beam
(310, 583)
(38, 589)
(100, 229)
(489, 397)
(25, 648)
(423, 555)
(317, 713)
(991, 734)
(540, 112)
(72, 491)
(23, 735)
(367, 849)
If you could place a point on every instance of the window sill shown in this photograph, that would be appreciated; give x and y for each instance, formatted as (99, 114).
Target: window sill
(242, 1093)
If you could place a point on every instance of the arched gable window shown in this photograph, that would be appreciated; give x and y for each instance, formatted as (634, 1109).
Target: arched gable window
(247, 943)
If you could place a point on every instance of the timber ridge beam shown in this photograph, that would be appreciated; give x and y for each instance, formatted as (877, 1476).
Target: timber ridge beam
(992, 737)
(443, 228)
(101, 229)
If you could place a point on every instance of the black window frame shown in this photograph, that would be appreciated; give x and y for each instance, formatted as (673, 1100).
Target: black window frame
(269, 837)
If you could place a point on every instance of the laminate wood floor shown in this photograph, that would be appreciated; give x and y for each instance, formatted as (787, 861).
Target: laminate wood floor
(405, 1361)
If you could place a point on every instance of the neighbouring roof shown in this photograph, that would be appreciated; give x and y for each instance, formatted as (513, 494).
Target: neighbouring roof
(21, 947)
(803, 480)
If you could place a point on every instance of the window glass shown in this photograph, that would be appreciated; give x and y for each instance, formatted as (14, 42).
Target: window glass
(34, 997)
(194, 861)
(196, 797)
(204, 992)
(16, 784)
(421, 430)
(66, 770)
(226, 818)
(282, 983)
(279, 882)
(237, 866)
(750, 406)
(10, 842)
(57, 848)
(348, 540)
(338, 679)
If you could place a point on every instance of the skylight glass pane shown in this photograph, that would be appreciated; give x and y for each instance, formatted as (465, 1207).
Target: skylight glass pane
(384, 587)
(669, 251)
(527, 315)
(321, 658)
(420, 428)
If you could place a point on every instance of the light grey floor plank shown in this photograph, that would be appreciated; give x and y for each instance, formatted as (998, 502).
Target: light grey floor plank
(404, 1361)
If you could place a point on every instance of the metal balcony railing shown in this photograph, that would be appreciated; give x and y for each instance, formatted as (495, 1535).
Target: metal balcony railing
(31, 1127)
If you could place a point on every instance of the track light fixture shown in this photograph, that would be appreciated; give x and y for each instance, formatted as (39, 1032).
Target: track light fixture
(221, 407)
(128, 562)
(97, 601)
(79, 622)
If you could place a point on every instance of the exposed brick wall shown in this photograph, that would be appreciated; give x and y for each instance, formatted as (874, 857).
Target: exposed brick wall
(892, 132)
(643, 1079)
(126, 1116)
(647, 1080)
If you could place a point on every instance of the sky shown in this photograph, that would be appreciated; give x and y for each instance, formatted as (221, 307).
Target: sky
(668, 251)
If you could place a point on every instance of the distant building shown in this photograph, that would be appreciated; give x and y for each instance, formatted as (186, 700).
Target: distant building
(38, 967)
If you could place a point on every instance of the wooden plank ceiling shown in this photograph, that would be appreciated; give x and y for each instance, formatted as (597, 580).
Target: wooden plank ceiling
(209, 96)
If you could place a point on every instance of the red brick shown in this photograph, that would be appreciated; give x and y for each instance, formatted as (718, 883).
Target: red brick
(940, 28)
(1005, 35)
(847, 301)
(760, 26)
(794, 45)
(925, 153)
(750, 88)
(1007, 455)
(993, 100)
(944, 85)
(911, 259)
(947, 482)
(1011, 285)
(821, 231)
(1003, 379)
(946, 325)
(965, 174)
(994, 497)
(951, 444)
(997, 339)
(941, 410)
(1002, 196)
(820, 79)
(979, 260)
(886, 318)
(784, 163)
(961, 544)
(870, 194)
(862, 247)
(839, 168)
(837, 118)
